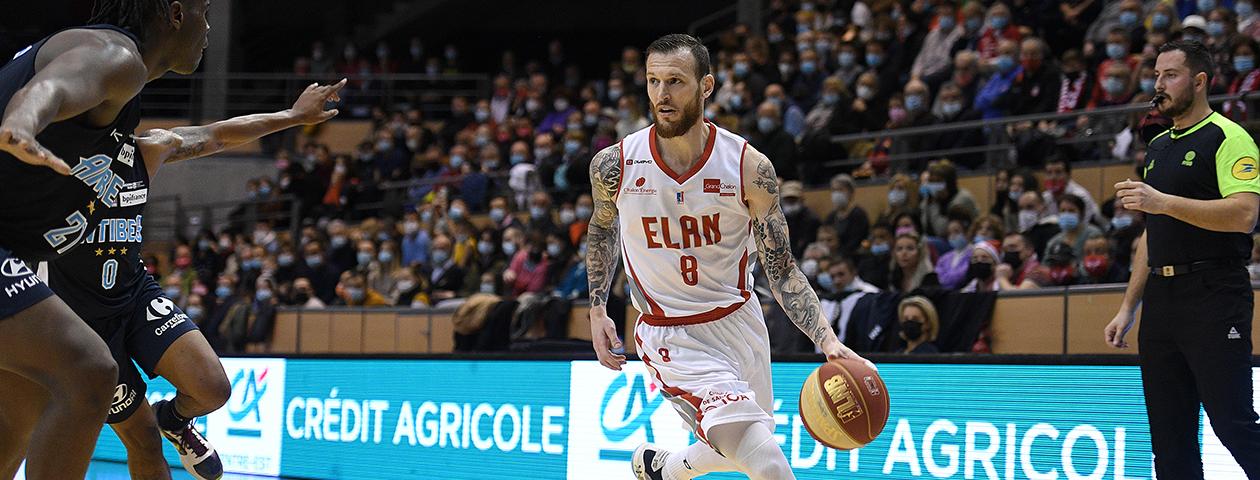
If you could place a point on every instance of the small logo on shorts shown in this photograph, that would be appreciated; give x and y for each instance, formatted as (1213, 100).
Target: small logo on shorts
(123, 398)
(1233, 334)
(15, 268)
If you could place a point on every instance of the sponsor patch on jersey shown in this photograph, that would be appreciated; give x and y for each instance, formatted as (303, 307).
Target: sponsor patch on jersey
(631, 161)
(127, 154)
(135, 197)
(1245, 169)
(639, 189)
(715, 185)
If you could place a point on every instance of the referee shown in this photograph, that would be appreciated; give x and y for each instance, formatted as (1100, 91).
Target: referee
(1200, 198)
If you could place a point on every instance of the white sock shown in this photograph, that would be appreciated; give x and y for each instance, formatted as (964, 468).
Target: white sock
(696, 460)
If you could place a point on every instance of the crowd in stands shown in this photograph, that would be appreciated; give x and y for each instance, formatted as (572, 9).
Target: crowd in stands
(494, 198)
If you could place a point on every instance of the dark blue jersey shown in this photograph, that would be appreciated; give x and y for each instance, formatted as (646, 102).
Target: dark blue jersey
(44, 214)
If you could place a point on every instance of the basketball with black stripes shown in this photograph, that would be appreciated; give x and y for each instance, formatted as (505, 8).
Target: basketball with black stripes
(844, 404)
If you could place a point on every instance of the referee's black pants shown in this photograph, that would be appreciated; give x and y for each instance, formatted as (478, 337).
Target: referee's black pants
(1195, 346)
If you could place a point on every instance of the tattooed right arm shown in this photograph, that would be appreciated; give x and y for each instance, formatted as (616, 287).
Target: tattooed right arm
(602, 234)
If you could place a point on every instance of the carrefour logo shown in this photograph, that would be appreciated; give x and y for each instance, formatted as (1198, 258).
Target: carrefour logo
(248, 387)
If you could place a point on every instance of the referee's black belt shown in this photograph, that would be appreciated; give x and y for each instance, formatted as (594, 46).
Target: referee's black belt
(1174, 270)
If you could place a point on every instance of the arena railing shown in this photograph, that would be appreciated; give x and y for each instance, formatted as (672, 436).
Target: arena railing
(182, 96)
(999, 148)
(1048, 323)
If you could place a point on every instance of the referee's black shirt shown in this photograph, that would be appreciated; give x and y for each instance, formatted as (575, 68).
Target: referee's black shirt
(1210, 160)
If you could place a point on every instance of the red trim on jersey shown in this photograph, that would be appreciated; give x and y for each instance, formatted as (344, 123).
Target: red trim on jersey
(743, 274)
(695, 168)
(656, 309)
(705, 317)
(672, 391)
(621, 151)
(742, 196)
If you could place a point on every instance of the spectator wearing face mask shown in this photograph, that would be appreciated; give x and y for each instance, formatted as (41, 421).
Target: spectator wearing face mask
(1072, 230)
(1076, 84)
(801, 221)
(875, 257)
(1099, 265)
(1114, 88)
(1038, 82)
(1036, 221)
(982, 269)
(901, 198)
(353, 291)
(304, 295)
(540, 214)
(933, 61)
(573, 175)
(527, 273)
(918, 324)
(573, 283)
(774, 141)
(583, 208)
(629, 116)
(1019, 268)
(995, 99)
(850, 220)
(408, 289)
(445, 276)
(805, 84)
(941, 194)
(998, 27)
(1246, 79)
(868, 112)
(1010, 185)
(1058, 183)
(972, 23)
(1248, 25)
(847, 66)
(951, 268)
(250, 322)
(1060, 265)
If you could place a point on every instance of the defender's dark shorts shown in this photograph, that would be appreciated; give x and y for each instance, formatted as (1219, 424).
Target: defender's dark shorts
(143, 336)
(19, 285)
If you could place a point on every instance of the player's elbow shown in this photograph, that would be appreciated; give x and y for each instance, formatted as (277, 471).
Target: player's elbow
(1246, 218)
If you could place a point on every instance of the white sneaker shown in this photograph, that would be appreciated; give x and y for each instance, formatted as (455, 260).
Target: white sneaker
(195, 452)
(648, 462)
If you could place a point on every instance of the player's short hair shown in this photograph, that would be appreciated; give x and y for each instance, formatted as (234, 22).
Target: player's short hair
(1198, 58)
(680, 41)
(131, 15)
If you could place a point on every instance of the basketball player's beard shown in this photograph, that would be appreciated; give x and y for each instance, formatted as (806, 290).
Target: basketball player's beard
(1179, 105)
(690, 115)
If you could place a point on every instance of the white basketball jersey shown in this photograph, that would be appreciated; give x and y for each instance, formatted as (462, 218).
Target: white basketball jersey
(685, 237)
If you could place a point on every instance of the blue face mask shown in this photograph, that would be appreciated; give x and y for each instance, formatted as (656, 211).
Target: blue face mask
(846, 59)
(1244, 63)
(456, 161)
(934, 187)
(998, 23)
(172, 292)
(1206, 5)
(896, 196)
(485, 248)
(314, 261)
(874, 59)
(741, 69)
(1121, 222)
(440, 257)
(1113, 86)
(1005, 63)
(808, 67)
(1069, 220)
(951, 108)
(1159, 21)
(1115, 51)
(497, 215)
(765, 124)
(946, 24)
(385, 257)
(1148, 85)
(517, 158)
(914, 102)
(222, 291)
(1128, 18)
(972, 24)
(263, 295)
(825, 282)
(957, 242)
(571, 146)
(356, 294)
(194, 312)
(364, 258)
(830, 98)
(1216, 29)
(880, 248)
(1244, 9)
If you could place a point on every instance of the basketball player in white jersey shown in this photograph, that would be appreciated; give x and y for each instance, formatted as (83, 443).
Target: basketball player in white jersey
(687, 205)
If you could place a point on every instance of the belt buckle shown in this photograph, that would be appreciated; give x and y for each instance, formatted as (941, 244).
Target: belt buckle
(1167, 270)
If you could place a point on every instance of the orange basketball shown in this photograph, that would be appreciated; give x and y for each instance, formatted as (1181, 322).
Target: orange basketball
(844, 404)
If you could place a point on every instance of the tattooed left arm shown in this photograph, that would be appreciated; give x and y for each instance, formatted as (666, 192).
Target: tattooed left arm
(770, 231)
(160, 146)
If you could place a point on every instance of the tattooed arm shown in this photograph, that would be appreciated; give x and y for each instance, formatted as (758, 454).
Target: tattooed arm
(770, 231)
(603, 253)
(160, 146)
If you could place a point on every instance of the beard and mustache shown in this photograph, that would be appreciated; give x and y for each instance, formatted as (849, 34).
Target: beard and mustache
(1174, 106)
(690, 115)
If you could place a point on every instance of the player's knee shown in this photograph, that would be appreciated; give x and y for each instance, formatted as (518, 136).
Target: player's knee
(217, 390)
(770, 470)
(90, 377)
(143, 441)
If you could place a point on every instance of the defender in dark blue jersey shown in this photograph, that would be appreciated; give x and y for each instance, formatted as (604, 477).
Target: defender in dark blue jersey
(104, 281)
(66, 147)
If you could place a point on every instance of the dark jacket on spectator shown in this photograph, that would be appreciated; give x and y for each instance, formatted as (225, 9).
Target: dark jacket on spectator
(780, 147)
